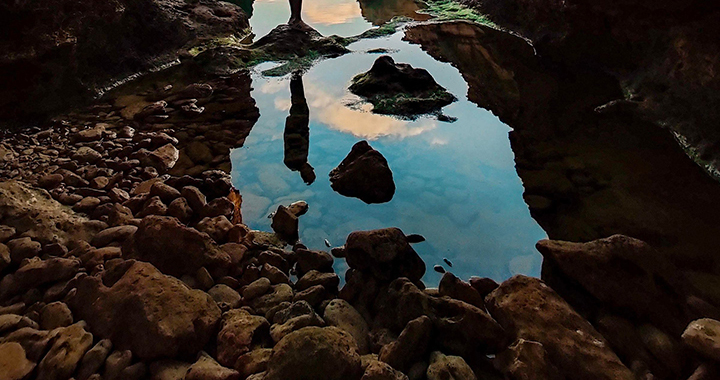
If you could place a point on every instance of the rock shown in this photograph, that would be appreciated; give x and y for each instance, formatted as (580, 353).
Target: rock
(94, 359)
(67, 350)
(378, 370)
(309, 352)
(206, 368)
(6, 233)
(180, 209)
(285, 224)
(195, 198)
(119, 215)
(526, 359)
(163, 158)
(663, 347)
(195, 91)
(253, 362)
(611, 266)
(483, 285)
(38, 272)
(86, 205)
(23, 248)
(12, 322)
(274, 274)
(86, 155)
(118, 195)
(33, 341)
(169, 370)
(5, 258)
(50, 181)
(454, 287)
(14, 365)
(166, 192)
(135, 371)
(627, 343)
(703, 336)
(167, 318)
(528, 309)
(217, 227)
(256, 289)
(153, 206)
(174, 248)
(113, 234)
(225, 296)
(88, 135)
(329, 281)
(400, 89)
(116, 363)
(54, 315)
(221, 206)
(364, 174)
(385, 253)
(308, 260)
(199, 152)
(296, 316)
(240, 332)
(444, 367)
(410, 346)
(313, 295)
(341, 314)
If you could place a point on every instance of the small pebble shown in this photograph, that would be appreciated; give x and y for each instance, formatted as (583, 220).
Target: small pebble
(447, 262)
(439, 269)
(415, 238)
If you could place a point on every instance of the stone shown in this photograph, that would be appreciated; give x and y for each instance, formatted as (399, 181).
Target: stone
(14, 365)
(313, 295)
(444, 367)
(206, 368)
(298, 315)
(454, 287)
(54, 315)
(483, 285)
(23, 248)
(6, 233)
(116, 363)
(94, 359)
(378, 370)
(169, 370)
(279, 293)
(166, 192)
(153, 206)
(86, 154)
(663, 347)
(119, 215)
(180, 209)
(38, 272)
(528, 309)
(87, 205)
(67, 350)
(329, 281)
(310, 352)
(199, 152)
(341, 314)
(112, 234)
(703, 336)
(256, 289)
(12, 322)
(221, 206)
(364, 174)
(167, 318)
(195, 91)
(240, 332)
(525, 360)
(410, 346)
(217, 227)
(135, 371)
(50, 181)
(285, 224)
(5, 258)
(225, 296)
(174, 248)
(195, 198)
(274, 274)
(385, 253)
(253, 362)
(308, 260)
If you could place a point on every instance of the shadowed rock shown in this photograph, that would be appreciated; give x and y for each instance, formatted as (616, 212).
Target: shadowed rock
(364, 174)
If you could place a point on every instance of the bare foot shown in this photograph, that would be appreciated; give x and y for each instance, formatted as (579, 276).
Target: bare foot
(299, 24)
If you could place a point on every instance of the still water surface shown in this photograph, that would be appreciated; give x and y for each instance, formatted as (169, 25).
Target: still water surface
(456, 182)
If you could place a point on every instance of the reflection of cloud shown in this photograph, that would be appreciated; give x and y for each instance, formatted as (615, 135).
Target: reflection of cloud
(330, 12)
(273, 86)
(438, 141)
(283, 104)
(361, 123)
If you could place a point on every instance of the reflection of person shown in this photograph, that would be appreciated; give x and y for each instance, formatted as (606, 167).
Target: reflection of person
(296, 15)
(297, 132)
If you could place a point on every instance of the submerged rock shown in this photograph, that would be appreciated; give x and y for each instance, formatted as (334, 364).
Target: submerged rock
(364, 174)
(385, 253)
(400, 89)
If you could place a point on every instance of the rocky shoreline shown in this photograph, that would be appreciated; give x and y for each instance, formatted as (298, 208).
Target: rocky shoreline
(123, 256)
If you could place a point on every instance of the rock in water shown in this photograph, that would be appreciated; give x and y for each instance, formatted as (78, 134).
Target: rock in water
(285, 224)
(364, 174)
(166, 318)
(400, 89)
(385, 253)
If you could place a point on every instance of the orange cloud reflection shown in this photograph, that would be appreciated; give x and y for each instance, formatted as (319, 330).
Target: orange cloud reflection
(330, 12)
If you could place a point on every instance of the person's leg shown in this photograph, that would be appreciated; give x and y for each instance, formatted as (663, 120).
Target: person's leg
(295, 11)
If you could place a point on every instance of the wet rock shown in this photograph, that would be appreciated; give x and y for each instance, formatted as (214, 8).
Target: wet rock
(341, 314)
(274, 274)
(119, 215)
(163, 158)
(364, 174)
(14, 365)
(444, 367)
(611, 266)
(195, 91)
(23, 248)
(38, 272)
(94, 359)
(663, 347)
(162, 240)
(298, 208)
(240, 332)
(206, 368)
(526, 360)
(135, 371)
(253, 362)
(530, 310)
(454, 287)
(703, 336)
(54, 315)
(65, 354)
(167, 318)
(410, 346)
(309, 352)
(627, 342)
(399, 89)
(385, 253)
(285, 224)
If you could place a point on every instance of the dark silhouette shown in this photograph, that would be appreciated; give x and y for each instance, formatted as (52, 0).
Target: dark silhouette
(297, 132)
(296, 15)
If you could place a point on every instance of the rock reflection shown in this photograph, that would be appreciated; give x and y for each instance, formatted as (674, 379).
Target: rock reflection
(379, 12)
(297, 132)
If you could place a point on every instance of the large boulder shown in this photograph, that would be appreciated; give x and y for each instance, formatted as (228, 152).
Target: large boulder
(528, 309)
(364, 174)
(385, 253)
(626, 275)
(400, 89)
(174, 248)
(315, 353)
(166, 317)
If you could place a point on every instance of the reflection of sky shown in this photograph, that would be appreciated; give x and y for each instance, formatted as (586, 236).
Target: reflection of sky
(341, 17)
(456, 183)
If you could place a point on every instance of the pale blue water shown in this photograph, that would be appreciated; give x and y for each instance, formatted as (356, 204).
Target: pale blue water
(456, 182)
